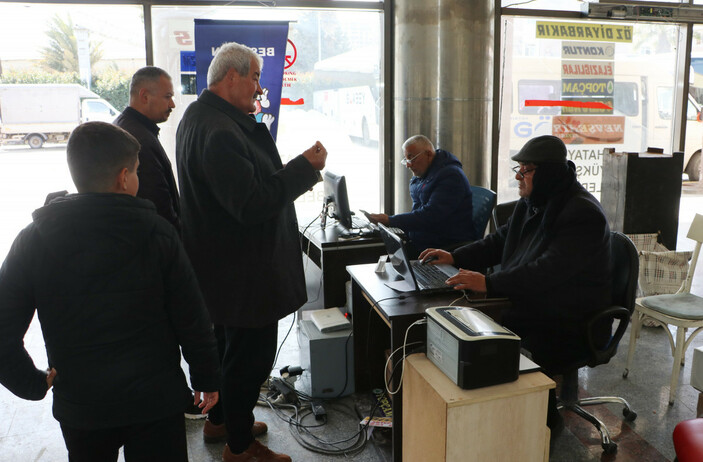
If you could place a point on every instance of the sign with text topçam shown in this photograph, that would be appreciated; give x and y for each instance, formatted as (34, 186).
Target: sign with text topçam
(267, 38)
(584, 31)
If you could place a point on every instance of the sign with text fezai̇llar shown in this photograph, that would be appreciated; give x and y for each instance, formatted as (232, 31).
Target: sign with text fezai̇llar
(267, 38)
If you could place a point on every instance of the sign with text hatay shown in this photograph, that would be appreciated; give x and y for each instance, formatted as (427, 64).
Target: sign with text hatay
(267, 38)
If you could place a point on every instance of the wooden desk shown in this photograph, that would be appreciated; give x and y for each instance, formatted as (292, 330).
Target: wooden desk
(331, 253)
(442, 422)
(371, 339)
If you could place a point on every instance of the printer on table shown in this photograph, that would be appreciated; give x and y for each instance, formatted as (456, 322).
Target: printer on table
(470, 348)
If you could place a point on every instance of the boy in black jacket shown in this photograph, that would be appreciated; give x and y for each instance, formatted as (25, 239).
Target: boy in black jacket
(116, 298)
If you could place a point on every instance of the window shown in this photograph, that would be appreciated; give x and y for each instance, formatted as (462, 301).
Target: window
(334, 78)
(607, 93)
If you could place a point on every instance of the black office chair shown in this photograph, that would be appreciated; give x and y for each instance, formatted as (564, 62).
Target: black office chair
(625, 270)
(502, 212)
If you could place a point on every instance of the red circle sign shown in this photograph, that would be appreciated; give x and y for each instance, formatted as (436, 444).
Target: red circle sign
(290, 58)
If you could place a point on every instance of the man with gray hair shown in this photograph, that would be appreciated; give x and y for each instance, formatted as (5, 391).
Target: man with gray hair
(442, 213)
(241, 234)
(150, 103)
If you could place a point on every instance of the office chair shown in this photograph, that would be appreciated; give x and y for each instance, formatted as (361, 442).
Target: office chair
(682, 309)
(482, 200)
(502, 212)
(625, 269)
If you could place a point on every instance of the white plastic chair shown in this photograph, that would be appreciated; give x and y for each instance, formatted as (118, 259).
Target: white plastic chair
(682, 309)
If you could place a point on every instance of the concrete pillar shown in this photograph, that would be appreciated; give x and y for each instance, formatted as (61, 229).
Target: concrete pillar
(444, 83)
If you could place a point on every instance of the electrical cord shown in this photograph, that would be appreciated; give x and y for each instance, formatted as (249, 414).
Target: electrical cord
(302, 432)
(376, 305)
(283, 341)
(464, 294)
(405, 343)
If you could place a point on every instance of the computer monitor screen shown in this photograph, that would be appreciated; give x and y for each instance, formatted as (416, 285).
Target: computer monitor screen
(337, 198)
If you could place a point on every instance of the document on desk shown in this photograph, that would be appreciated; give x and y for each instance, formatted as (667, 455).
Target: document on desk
(527, 365)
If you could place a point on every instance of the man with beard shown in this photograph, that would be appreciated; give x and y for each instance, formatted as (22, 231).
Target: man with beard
(151, 103)
(554, 256)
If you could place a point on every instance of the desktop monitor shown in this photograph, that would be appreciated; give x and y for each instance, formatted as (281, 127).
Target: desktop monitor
(337, 199)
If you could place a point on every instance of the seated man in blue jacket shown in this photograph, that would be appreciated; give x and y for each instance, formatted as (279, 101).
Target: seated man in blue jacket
(442, 212)
(117, 301)
(554, 254)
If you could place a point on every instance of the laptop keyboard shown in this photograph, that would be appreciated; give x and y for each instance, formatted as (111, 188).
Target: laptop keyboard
(429, 275)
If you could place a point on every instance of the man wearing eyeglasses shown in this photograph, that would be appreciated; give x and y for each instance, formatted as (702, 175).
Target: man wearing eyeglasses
(442, 209)
(554, 254)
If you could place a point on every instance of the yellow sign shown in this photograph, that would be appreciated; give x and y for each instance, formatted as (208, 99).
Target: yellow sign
(584, 31)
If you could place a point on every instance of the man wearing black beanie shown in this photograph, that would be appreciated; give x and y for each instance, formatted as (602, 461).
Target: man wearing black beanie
(554, 255)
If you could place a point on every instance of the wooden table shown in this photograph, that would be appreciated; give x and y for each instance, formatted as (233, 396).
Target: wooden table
(332, 253)
(378, 311)
(442, 422)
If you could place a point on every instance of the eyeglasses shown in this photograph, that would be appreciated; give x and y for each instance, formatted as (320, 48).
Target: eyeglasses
(405, 162)
(522, 173)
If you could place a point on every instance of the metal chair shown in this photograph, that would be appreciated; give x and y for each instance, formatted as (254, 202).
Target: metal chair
(682, 309)
(625, 270)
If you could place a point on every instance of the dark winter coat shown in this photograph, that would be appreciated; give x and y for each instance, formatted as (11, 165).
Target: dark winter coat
(554, 259)
(442, 212)
(116, 297)
(156, 180)
(239, 224)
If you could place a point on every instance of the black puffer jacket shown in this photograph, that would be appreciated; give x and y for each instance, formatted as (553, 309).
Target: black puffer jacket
(116, 296)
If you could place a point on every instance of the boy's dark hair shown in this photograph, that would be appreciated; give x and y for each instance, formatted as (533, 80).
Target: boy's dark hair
(97, 152)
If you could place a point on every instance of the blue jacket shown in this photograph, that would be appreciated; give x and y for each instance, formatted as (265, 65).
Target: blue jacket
(442, 213)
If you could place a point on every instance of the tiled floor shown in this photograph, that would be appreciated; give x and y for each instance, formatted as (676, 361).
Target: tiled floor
(28, 431)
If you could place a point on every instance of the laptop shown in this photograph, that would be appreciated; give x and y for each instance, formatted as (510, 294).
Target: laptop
(412, 275)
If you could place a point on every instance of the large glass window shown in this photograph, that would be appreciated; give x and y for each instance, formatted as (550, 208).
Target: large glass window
(593, 85)
(333, 77)
(57, 57)
(694, 124)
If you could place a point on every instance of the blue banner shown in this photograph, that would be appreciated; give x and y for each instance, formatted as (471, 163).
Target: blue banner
(268, 39)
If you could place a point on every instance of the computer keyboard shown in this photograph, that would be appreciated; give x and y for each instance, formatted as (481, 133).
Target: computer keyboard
(429, 275)
(373, 230)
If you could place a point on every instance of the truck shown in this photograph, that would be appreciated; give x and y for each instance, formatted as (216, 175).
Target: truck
(47, 113)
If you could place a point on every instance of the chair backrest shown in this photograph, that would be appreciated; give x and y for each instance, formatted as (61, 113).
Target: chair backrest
(625, 270)
(695, 232)
(502, 212)
(483, 201)
(624, 263)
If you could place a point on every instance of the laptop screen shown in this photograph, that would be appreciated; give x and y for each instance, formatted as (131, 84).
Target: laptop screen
(397, 255)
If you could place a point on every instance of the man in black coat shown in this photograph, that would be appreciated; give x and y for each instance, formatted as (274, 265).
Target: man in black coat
(241, 234)
(117, 301)
(150, 103)
(554, 256)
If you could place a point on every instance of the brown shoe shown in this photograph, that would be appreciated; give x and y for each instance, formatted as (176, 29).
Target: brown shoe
(256, 452)
(214, 433)
(259, 428)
